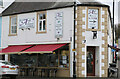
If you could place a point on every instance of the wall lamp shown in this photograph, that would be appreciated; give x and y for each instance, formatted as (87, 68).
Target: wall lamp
(94, 34)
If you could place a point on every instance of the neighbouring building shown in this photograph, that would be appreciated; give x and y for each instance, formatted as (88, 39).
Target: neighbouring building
(40, 35)
(3, 5)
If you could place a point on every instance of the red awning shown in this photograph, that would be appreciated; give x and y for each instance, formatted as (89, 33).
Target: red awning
(43, 48)
(14, 49)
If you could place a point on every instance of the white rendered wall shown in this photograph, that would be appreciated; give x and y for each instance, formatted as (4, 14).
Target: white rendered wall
(30, 36)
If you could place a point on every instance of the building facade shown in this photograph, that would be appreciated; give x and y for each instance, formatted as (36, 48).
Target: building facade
(55, 26)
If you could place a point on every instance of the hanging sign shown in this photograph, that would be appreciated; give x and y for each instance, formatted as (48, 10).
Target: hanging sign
(93, 18)
(26, 23)
(59, 25)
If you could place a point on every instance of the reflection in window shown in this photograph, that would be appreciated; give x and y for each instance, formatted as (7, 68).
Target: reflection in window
(59, 58)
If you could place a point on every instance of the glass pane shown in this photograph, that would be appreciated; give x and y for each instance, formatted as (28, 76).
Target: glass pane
(40, 25)
(11, 29)
(13, 21)
(24, 60)
(64, 59)
(1, 2)
(14, 29)
(44, 25)
(44, 16)
(90, 62)
(40, 16)
(48, 60)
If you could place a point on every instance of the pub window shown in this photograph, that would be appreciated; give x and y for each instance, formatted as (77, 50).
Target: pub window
(41, 26)
(64, 59)
(13, 25)
(58, 59)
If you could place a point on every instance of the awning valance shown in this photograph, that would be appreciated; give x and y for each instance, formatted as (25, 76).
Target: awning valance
(41, 48)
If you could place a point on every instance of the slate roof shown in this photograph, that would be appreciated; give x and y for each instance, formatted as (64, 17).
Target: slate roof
(20, 6)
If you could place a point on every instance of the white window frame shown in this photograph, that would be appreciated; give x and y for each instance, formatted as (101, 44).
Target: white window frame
(41, 20)
(13, 27)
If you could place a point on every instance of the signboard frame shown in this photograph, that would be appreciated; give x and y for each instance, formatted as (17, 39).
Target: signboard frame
(26, 23)
(99, 19)
(59, 26)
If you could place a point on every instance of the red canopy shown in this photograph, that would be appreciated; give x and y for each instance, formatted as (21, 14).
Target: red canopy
(44, 48)
(15, 49)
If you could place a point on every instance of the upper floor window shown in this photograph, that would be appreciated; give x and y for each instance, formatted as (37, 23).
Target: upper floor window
(41, 24)
(13, 25)
(1, 3)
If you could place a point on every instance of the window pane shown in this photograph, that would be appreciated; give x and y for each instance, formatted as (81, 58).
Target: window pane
(44, 17)
(40, 16)
(14, 25)
(1, 2)
(40, 25)
(43, 60)
(13, 21)
(24, 60)
(64, 59)
(43, 25)
(13, 29)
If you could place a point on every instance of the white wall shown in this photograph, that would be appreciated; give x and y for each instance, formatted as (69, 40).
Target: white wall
(30, 36)
(110, 55)
(97, 61)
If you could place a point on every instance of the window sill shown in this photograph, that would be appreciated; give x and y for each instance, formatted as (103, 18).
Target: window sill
(41, 32)
(12, 35)
(93, 30)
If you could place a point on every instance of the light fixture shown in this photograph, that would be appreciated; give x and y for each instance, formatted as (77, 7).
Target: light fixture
(28, 28)
(94, 34)
(22, 29)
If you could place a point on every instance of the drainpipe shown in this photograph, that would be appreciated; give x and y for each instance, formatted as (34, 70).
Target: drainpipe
(113, 29)
(74, 62)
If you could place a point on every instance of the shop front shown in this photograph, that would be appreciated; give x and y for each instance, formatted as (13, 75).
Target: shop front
(51, 60)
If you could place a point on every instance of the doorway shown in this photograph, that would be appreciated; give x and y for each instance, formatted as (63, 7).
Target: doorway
(91, 61)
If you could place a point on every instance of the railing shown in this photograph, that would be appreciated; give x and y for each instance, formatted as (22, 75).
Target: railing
(38, 71)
